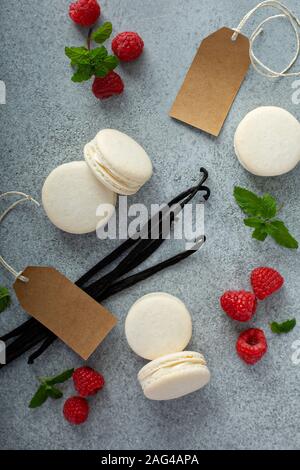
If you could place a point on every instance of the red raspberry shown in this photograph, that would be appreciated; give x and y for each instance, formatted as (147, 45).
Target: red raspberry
(239, 305)
(76, 410)
(127, 46)
(111, 84)
(85, 12)
(252, 345)
(87, 381)
(265, 281)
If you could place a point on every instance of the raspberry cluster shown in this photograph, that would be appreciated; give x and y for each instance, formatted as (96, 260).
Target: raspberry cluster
(241, 306)
(126, 46)
(87, 382)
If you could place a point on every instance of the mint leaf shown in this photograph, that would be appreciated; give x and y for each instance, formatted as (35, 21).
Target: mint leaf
(254, 222)
(54, 393)
(4, 298)
(284, 327)
(260, 234)
(98, 54)
(111, 62)
(101, 61)
(83, 73)
(101, 71)
(39, 398)
(58, 379)
(248, 201)
(78, 55)
(102, 33)
(279, 232)
(269, 206)
(251, 204)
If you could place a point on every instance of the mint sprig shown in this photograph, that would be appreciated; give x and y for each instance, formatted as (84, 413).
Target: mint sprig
(5, 299)
(47, 389)
(262, 212)
(92, 62)
(285, 327)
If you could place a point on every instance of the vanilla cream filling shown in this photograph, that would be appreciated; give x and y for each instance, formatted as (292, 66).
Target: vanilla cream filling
(168, 372)
(114, 177)
(171, 365)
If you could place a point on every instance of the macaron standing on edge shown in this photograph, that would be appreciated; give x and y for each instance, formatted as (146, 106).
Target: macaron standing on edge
(267, 141)
(118, 161)
(158, 324)
(174, 376)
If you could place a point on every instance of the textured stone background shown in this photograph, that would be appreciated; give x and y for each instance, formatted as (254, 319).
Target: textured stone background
(46, 122)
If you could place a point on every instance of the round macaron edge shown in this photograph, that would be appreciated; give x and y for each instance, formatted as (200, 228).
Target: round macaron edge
(112, 182)
(158, 388)
(51, 201)
(242, 129)
(143, 159)
(147, 351)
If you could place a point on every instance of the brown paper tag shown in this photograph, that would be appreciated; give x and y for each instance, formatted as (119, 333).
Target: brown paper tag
(64, 308)
(213, 81)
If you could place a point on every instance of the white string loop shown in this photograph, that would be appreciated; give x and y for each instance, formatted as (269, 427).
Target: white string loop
(258, 65)
(25, 197)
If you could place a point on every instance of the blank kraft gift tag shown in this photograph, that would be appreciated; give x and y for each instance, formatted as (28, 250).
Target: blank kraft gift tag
(64, 309)
(213, 81)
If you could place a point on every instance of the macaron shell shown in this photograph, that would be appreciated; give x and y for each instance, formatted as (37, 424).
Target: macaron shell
(124, 156)
(158, 324)
(267, 141)
(71, 196)
(175, 382)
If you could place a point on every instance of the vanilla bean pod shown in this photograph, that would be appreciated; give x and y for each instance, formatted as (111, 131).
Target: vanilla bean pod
(131, 241)
(143, 275)
(147, 247)
(136, 257)
(125, 245)
(45, 345)
(17, 331)
(24, 344)
(35, 326)
(30, 342)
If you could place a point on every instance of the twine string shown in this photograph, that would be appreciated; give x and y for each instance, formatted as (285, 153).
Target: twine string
(294, 21)
(25, 197)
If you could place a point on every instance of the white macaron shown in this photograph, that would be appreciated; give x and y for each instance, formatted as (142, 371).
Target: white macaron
(71, 196)
(174, 375)
(118, 161)
(158, 324)
(267, 141)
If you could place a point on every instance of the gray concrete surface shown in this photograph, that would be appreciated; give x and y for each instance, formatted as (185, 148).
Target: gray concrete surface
(46, 122)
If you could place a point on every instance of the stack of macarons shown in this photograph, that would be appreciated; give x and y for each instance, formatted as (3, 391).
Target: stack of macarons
(72, 193)
(158, 327)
